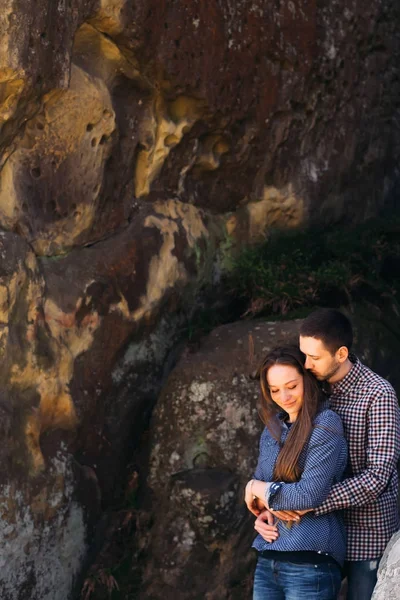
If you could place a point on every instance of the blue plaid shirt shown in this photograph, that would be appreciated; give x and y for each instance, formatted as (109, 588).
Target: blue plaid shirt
(323, 461)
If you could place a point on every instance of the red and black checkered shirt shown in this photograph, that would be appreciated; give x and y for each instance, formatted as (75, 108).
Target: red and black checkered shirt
(368, 407)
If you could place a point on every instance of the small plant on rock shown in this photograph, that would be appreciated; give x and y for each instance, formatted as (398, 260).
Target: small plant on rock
(330, 267)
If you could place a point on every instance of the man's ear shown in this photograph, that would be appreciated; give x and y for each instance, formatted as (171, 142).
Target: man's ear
(342, 354)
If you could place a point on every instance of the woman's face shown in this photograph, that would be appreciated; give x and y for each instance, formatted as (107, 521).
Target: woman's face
(286, 386)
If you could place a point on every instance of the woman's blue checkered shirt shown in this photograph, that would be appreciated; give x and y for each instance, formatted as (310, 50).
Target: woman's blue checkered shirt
(323, 461)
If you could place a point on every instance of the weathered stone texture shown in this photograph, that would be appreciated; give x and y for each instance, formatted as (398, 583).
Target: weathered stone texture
(103, 296)
(35, 57)
(186, 99)
(43, 534)
(61, 157)
(388, 585)
(35, 368)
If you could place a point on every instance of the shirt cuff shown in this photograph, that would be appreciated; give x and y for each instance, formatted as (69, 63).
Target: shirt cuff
(271, 490)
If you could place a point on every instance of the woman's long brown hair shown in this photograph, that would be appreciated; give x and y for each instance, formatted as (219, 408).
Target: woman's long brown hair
(287, 468)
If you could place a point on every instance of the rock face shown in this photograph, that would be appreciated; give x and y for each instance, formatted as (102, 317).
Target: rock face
(68, 413)
(104, 102)
(140, 143)
(43, 522)
(387, 587)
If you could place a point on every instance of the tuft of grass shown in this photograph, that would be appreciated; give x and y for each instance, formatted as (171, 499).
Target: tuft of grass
(330, 267)
(115, 575)
(103, 579)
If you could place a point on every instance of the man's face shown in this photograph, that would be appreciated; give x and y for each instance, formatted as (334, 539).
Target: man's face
(322, 364)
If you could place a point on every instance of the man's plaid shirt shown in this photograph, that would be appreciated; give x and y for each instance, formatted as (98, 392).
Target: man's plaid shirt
(368, 407)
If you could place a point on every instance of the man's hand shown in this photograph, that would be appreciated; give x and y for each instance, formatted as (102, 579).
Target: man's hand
(290, 515)
(286, 515)
(264, 525)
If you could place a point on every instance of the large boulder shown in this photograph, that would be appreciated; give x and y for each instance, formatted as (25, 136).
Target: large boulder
(387, 587)
(204, 446)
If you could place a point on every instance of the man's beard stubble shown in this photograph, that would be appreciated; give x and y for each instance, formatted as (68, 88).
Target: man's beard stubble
(330, 373)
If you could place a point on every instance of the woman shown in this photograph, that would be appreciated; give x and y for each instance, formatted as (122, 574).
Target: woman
(302, 454)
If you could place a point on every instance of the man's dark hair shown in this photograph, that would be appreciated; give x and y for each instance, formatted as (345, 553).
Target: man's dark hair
(330, 326)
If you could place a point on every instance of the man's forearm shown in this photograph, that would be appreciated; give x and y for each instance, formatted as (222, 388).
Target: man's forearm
(361, 490)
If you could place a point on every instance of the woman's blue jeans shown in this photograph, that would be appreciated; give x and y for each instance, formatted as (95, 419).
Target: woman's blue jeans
(275, 580)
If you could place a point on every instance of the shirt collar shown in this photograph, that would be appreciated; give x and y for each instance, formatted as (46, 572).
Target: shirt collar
(343, 387)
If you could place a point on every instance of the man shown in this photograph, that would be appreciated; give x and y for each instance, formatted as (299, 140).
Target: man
(369, 410)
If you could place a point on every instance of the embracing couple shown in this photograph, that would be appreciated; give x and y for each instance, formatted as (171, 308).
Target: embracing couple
(325, 488)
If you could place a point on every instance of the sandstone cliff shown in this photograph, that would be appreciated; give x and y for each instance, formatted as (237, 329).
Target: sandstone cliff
(140, 143)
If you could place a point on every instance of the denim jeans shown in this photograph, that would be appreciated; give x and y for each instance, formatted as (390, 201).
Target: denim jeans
(275, 580)
(361, 578)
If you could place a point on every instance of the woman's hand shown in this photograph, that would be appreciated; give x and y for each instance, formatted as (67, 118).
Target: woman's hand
(254, 496)
(290, 515)
(264, 525)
